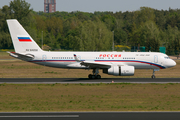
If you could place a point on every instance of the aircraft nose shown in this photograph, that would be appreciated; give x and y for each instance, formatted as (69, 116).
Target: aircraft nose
(172, 64)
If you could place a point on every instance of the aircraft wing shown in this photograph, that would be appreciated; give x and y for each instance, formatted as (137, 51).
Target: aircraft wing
(26, 57)
(93, 64)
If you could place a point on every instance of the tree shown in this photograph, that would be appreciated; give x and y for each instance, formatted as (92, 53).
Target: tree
(54, 25)
(109, 21)
(172, 40)
(90, 36)
(5, 41)
(19, 9)
(145, 14)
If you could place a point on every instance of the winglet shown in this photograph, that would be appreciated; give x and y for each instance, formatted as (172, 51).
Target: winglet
(75, 57)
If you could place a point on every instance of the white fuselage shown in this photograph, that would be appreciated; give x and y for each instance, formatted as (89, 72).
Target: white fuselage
(140, 60)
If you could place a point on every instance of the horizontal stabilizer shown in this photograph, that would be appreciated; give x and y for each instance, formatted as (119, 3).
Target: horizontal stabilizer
(26, 57)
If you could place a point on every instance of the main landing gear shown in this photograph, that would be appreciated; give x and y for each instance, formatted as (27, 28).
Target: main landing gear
(95, 74)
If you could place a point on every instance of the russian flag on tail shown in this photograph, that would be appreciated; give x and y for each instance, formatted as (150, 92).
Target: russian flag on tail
(24, 39)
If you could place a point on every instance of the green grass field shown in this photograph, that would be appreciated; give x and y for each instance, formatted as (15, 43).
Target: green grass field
(90, 97)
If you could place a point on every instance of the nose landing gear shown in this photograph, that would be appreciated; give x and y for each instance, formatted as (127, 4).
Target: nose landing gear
(153, 76)
(95, 74)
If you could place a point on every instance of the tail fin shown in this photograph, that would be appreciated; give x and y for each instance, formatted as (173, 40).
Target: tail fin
(22, 41)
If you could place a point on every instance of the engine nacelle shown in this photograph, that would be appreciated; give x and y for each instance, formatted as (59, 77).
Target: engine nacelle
(127, 70)
(120, 71)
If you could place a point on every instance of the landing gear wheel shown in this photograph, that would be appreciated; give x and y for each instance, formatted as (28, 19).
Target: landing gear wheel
(90, 76)
(153, 76)
(95, 74)
(98, 77)
(93, 77)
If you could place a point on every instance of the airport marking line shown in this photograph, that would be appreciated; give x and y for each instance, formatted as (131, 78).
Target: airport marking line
(38, 116)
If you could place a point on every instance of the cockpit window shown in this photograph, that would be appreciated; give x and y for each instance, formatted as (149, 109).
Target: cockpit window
(166, 57)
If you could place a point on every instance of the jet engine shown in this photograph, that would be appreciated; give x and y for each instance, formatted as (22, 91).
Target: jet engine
(120, 71)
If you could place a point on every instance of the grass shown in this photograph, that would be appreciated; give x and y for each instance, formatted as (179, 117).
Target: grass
(4, 55)
(96, 97)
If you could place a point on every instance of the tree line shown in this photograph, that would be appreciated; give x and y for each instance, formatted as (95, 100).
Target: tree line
(82, 31)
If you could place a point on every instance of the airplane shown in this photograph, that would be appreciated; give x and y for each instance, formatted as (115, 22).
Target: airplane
(112, 63)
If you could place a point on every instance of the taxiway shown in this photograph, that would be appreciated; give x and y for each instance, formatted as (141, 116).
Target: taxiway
(86, 80)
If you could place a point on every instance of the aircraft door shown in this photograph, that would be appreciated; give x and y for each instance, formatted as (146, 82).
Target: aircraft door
(44, 57)
(155, 59)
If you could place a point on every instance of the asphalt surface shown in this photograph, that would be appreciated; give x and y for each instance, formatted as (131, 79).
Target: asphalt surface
(91, 116)
(86, 80)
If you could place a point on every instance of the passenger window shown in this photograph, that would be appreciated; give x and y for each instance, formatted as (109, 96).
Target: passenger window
(166, 57)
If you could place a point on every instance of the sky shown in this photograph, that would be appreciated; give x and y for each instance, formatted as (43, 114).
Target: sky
(102, 5)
